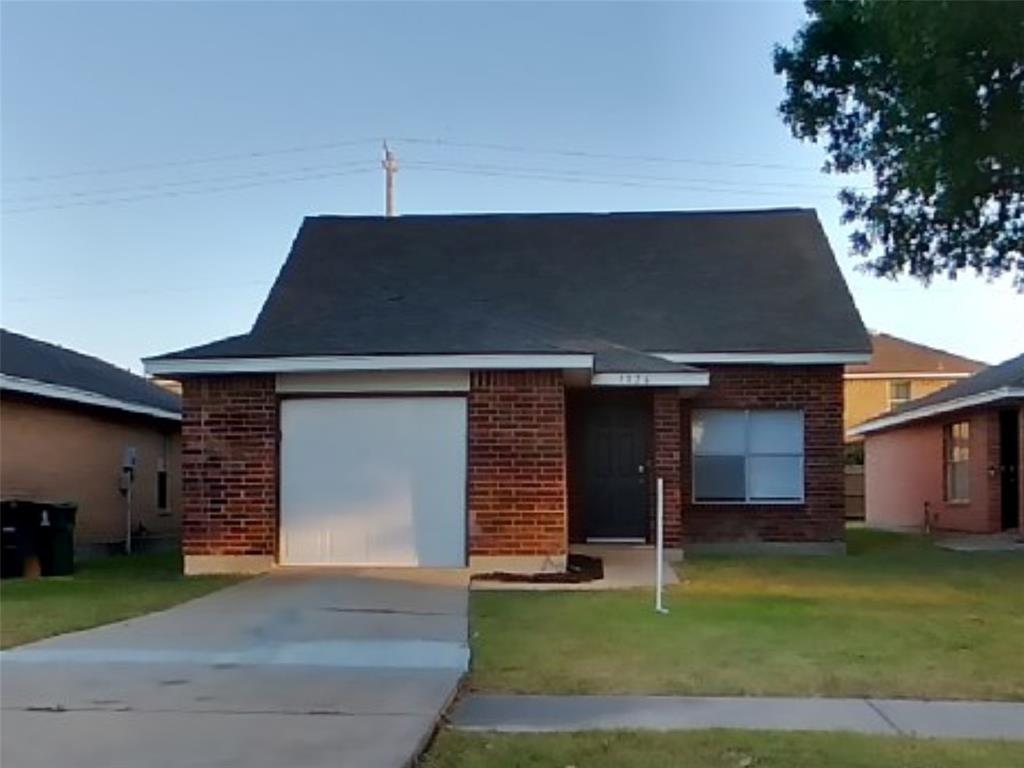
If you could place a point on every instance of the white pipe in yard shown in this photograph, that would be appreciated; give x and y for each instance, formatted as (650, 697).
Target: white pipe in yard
(659, 548)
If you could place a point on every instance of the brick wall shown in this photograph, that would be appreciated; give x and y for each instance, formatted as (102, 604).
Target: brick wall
(229, 465)
(517, 463)
(667, 450)
(818, 391)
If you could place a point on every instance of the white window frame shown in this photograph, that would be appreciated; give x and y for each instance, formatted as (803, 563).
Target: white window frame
(895, 402)
(949, 445)
(748, 501)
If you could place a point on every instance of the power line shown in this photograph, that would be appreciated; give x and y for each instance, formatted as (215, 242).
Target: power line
(189, 161)
(57, 196)
(630, 176)
(585, 180)
(603, 155)
(182, 193)
(436, 142)
(89, 197)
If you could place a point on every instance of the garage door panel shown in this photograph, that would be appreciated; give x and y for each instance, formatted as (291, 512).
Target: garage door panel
(375, 481)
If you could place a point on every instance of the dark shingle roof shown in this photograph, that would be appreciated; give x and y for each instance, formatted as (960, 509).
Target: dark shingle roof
(27, 358)
(748, 281)
(1008, 375)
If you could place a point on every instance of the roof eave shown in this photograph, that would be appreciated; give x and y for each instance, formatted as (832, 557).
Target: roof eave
(340, 363)
(766, 358)
(926, 411)
(81, 396)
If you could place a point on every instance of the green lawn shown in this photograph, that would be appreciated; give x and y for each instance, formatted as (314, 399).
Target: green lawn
(713, 749)
(896, 617)
(101, 591)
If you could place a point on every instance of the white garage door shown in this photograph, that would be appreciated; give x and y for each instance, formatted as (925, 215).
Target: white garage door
(373, 481)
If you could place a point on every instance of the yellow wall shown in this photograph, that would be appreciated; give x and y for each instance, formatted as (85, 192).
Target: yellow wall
(867, 398)
(53, 452)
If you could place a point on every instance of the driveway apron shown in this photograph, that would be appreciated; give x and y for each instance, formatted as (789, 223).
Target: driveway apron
(297, 668)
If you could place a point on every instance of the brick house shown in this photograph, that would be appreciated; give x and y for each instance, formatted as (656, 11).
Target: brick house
(951, 461)
(489, 390)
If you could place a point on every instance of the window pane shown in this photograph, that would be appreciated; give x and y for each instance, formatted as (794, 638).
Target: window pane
(776, 432)
(776, 477)
(958, 479)
(899, 390)
(722, 432)
(719, 478)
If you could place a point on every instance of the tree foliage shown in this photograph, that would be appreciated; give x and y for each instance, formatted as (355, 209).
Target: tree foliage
(928, 97)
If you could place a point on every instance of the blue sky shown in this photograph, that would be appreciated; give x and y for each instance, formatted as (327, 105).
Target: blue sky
(157, 159)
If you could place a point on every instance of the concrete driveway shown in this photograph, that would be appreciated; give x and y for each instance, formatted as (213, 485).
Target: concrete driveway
(298, 668)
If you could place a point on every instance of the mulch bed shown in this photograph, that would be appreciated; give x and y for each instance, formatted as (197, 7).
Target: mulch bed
(578, 569)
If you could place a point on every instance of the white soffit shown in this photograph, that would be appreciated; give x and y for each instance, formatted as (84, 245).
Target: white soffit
(328, 364)
(766, 358)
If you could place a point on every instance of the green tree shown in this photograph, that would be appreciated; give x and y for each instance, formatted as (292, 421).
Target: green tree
(928, 97)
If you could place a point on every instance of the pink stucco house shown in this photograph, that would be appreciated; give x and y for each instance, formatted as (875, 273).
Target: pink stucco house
(951, 461)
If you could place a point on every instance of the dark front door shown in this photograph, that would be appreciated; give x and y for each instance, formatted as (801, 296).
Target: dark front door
(616, 495)
(1009, 463)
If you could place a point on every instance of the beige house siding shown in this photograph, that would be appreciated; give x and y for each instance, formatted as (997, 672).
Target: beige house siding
(867, 398)
(61, 452)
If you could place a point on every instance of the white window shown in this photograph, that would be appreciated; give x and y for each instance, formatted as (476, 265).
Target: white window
(748, 456)
(958, 456)
(899, 393)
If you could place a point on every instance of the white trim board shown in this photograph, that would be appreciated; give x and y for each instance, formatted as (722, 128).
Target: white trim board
(333, 363)
(899, 376)
(657, 379)
(70, 394)
(968, 401)
(766, 358)
(494, 362)
(361, 382)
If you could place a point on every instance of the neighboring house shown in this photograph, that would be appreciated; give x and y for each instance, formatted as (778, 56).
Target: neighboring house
(427, 390)
(951, 460)
(899, 371)
(67, 423)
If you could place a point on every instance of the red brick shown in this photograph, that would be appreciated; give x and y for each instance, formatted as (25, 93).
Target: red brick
(818, 391)
(517, 500)
(229, 465)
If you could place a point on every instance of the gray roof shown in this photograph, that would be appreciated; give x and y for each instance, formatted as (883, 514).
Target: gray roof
(743, 281)
(26, 358)
(1006, 376)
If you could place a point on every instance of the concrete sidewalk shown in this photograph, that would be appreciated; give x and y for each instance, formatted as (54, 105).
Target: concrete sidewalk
(940, 719)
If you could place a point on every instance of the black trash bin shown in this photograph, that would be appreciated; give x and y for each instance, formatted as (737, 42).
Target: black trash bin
(56, 536)
(12, 545)
(19, 526)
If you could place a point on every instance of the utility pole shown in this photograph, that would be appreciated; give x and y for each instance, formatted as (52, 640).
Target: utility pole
(390, 166)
